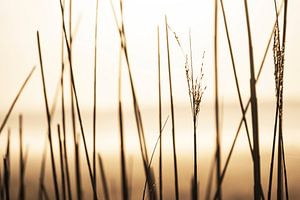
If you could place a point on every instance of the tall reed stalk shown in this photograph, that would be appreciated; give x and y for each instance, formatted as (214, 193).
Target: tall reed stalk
(15, 100)
(248, 103)
(281, 157)
(7, 168)
(278, 55)
(76, 99)
(254, 114)
(216, 79)
(42, 190)
(3, 186)
(49, 122)
(77, 167)
(95, 102)
(138, 118)
(236, 77)
(73, 112)
(125, 193)
(172, 115)
(63, 117)
(195, 91)
(195, 177)
(159, 118)
(21, 160)
(61, 158)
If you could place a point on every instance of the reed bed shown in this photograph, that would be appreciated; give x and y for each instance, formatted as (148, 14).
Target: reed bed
(65, 188)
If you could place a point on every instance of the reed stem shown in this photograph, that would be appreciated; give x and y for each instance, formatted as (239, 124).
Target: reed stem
(172, 115)
(49, 122)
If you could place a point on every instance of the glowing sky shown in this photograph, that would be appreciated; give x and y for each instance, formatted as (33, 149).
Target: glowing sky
(19, 21)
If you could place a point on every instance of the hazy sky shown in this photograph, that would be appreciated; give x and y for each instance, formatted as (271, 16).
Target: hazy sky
(20, 20)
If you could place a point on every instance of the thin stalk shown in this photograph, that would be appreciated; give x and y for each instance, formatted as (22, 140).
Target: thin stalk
(63, 115)
(49, 121)
(77, 103)
(2, 181)
(77, 167)
(43, 163)
(279, 167)
(152, 155)
(172, 115)
(276, 42)
(159, 118)
(103, 178)
(7, 167)
(138, 118)
(195, 178)
(218, 148)
(248, 103)
(272, 156)
(95, 102)
(278, 80)
(285, 173)
(67, 166)
(254, 114)
(5, 187)
(280, 96)
(15, 100)
(21, 160)
(122, 148)
(61, 157)
(73, 113)
(283, 48)
(76, 150)
(236, 78)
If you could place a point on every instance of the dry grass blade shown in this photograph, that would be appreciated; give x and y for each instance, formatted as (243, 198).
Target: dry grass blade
(125, 193)
(159, 118)
(15, 100)
(77, 167)
(76, 100)
(172, 116)
(278, 55)
(95, 100)
(152, 155)
(236, 78)
(137, 113)
(7, 167)
(248, 104)
(254, 113)
(275, 49)
(61, 158)
(63, 115)
(44, 156)
(67, 166)
(21, 160)
(195, 91)
(49, 121)
(2, 182)
(283, 59)
(216, 79)
(5, 187)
